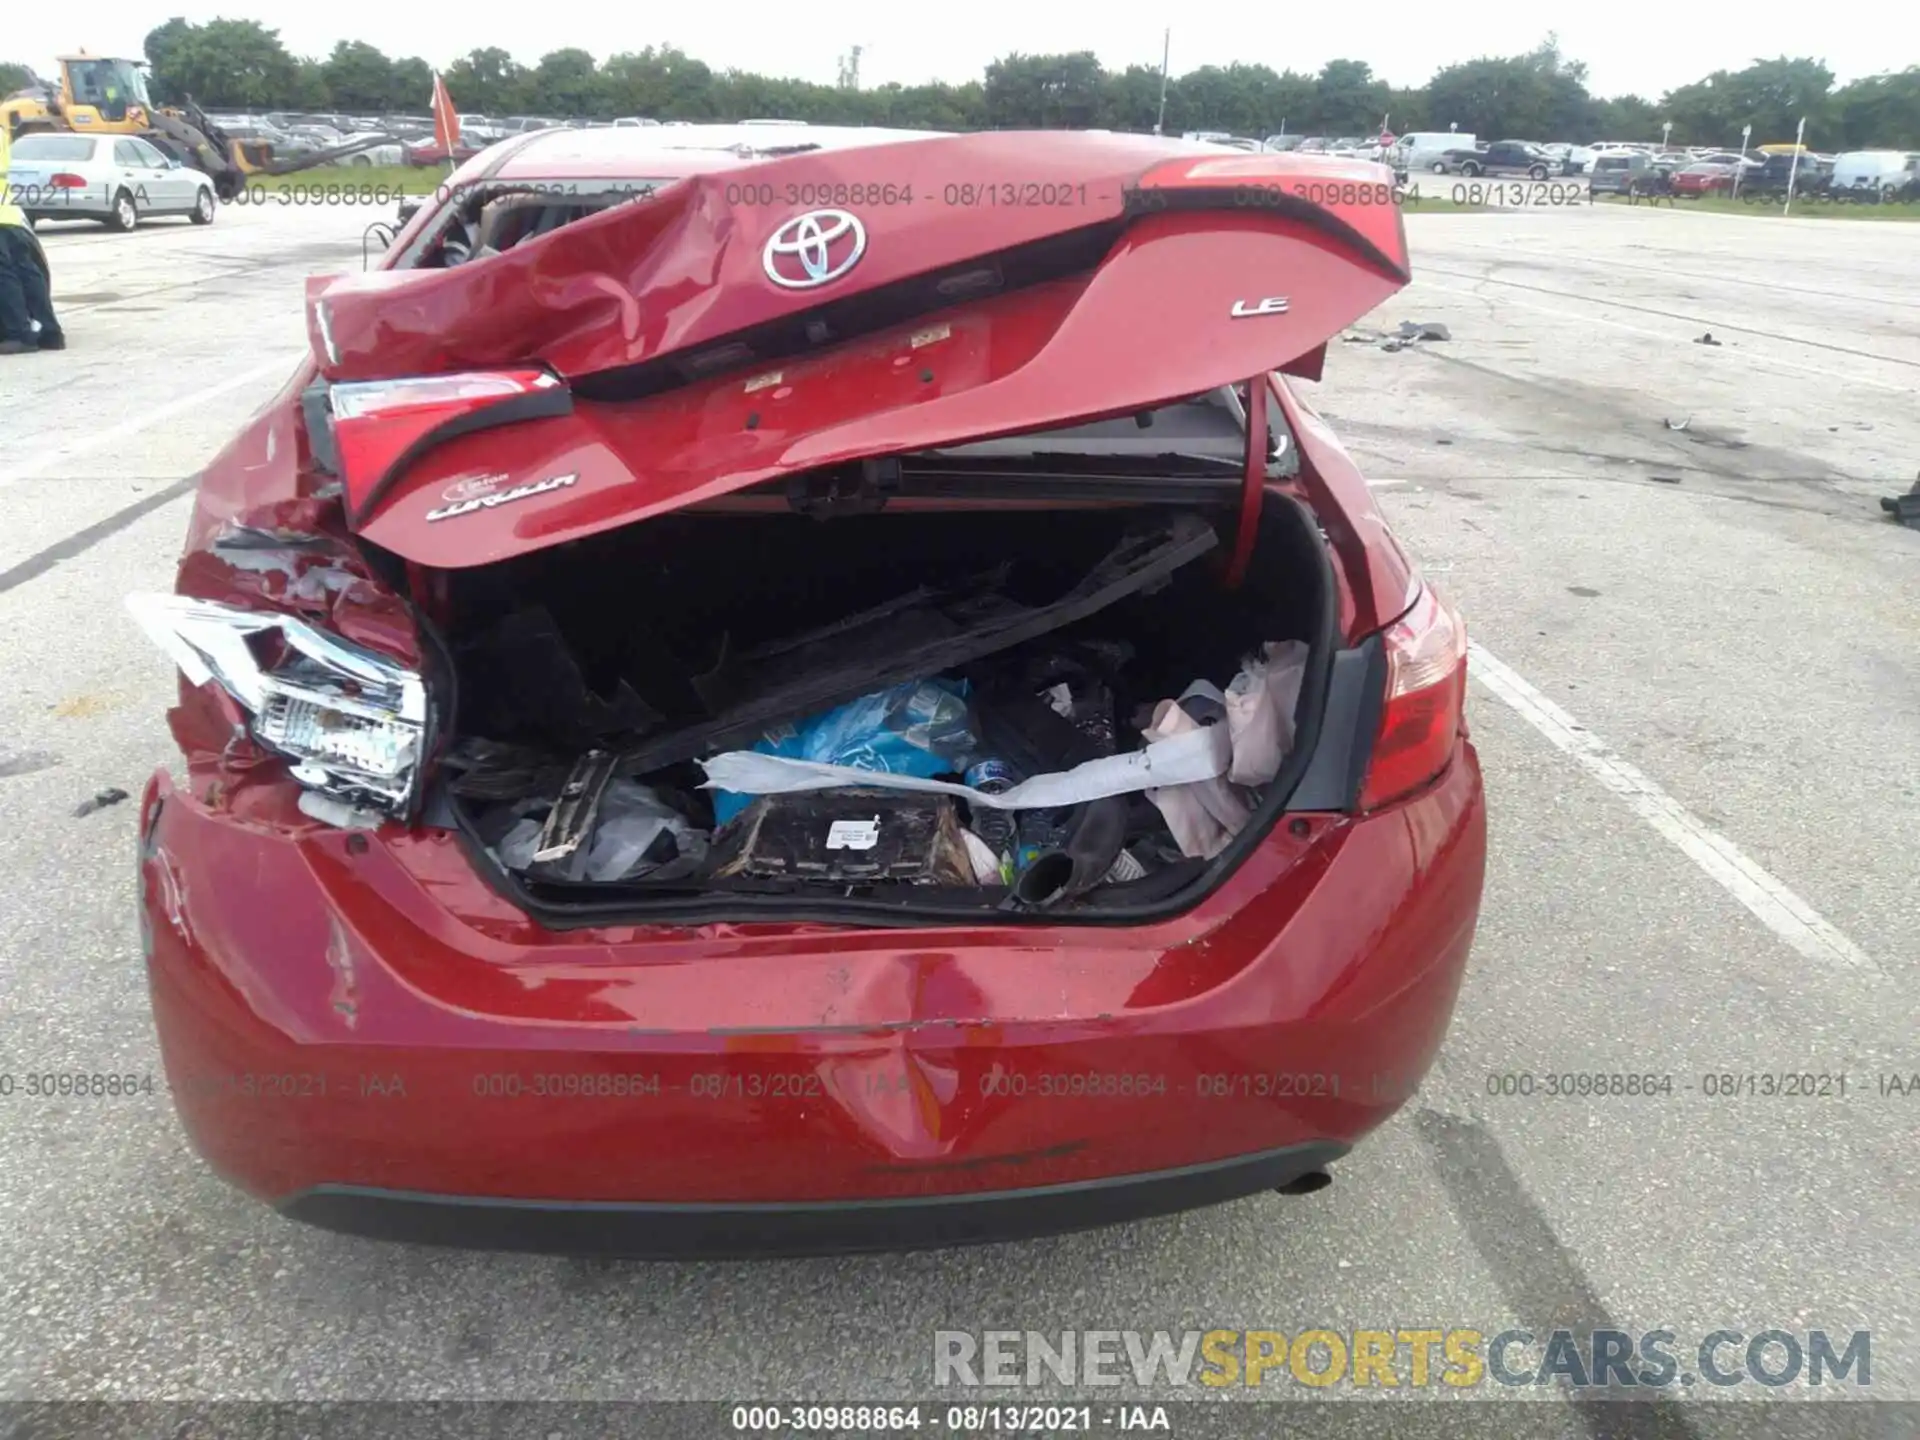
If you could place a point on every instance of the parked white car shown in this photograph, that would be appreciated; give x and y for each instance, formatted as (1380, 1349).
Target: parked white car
(390, 153)
(119, 180)
(1426, 149)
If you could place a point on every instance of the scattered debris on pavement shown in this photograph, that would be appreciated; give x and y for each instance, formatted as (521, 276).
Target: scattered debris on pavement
(1905, 509)
(1666, 479)
(1679, 424)
(1707, 339)
(1409, 332)
(110, 796)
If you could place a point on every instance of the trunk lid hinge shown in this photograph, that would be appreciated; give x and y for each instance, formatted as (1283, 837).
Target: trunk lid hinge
(861, 488)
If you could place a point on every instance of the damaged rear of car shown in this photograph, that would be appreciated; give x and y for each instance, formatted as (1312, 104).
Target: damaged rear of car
(770, 628)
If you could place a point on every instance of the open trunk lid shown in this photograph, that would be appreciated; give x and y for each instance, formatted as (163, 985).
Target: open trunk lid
(658, 355)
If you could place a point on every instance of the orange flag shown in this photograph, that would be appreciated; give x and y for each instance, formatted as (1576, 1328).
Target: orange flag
(446, 120)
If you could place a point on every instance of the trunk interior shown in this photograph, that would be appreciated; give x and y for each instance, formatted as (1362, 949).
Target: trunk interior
(917, 640)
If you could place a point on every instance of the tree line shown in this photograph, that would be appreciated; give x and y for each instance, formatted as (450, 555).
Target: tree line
(1542, 95)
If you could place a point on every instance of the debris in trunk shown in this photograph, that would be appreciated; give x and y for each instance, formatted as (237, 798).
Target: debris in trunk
(636, 832)
(1259, 706)
(988, 866)
(850, 836)
(925, 633)
(527, 681)
(996, 830)
(574, 813)
(1175, 759)
(1043, 665)
(1905, 509)
(1206, 813)
(103, 798)
(919, 728)
(490, 770)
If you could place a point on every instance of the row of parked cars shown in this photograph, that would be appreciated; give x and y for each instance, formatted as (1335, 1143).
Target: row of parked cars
(1869, 176)
(1620, 167)
(386, 139)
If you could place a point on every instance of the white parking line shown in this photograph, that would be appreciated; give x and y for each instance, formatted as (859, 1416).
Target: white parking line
(113, 434)
(1782, 911)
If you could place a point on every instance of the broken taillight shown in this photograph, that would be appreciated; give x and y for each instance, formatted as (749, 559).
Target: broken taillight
(1426, 699)
(381, 426)
(352, 721)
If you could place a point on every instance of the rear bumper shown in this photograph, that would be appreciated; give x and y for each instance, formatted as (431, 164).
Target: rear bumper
(641, 1231)
(364, 1035)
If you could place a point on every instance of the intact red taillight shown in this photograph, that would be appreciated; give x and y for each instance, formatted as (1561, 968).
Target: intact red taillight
(67, 180)
(381, 426)
(1426, 698)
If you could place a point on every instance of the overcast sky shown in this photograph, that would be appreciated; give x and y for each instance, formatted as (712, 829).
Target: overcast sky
(1640, 46)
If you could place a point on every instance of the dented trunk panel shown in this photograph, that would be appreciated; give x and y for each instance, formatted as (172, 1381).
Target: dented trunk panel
(1155, 322)
(689, 264)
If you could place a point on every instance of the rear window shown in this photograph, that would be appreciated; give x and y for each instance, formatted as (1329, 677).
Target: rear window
(53, 147)
(495, 216)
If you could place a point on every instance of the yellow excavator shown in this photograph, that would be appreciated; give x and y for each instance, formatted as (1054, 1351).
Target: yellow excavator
(97, 95)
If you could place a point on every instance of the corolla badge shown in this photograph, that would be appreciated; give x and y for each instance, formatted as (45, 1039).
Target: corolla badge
(477, 494)
(814, 248)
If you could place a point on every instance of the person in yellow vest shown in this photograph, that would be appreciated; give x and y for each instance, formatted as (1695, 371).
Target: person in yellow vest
(25, 296)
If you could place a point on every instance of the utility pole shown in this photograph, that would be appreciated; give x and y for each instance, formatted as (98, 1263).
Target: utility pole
(1166, 53)
(850, 69)
(1793, 170)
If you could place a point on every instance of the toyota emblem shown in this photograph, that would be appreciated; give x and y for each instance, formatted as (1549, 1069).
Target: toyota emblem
(814, 248)
(471, 486)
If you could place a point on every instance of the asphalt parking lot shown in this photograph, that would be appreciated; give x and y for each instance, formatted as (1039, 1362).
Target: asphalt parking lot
(1699, 662)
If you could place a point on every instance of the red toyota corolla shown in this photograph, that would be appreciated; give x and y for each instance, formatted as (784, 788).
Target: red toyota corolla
(810, 690)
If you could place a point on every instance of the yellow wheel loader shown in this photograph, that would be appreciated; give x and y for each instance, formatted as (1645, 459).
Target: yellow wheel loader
(103, 96)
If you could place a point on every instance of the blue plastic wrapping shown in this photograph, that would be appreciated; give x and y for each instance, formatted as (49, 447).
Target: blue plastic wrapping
(921, 728)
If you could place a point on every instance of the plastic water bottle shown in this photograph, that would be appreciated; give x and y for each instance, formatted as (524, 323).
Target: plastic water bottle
(996, 827)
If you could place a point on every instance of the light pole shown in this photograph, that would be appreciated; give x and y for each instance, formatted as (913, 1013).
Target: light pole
(1166, 53)
(1746, 134)
(1666, 134)
(1793, 170)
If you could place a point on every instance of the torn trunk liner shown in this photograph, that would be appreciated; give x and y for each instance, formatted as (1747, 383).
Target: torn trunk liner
(873, 685)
